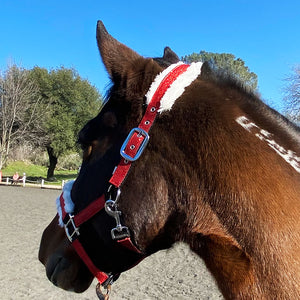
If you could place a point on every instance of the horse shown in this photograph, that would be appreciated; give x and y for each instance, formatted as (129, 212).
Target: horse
(216, 168)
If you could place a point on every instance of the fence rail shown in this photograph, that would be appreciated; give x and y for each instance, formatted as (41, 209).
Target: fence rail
(6, 180)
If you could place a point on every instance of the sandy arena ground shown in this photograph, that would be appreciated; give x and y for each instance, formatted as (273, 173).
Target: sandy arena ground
(176, 274)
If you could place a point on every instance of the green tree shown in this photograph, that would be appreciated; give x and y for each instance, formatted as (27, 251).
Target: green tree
(292, 95)
(73, 101)
(227, 63)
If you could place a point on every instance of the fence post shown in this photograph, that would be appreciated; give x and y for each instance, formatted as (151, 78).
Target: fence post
(24, 179)
(7, 180)
(43, 183)
(62, 184)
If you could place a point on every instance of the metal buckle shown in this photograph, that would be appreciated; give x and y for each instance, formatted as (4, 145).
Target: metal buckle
(119, 232)
(72, 230)
(141, 132)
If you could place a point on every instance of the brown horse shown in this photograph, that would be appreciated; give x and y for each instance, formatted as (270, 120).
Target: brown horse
(221, 172)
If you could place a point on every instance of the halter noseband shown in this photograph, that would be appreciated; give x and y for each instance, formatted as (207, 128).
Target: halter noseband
(167, 87)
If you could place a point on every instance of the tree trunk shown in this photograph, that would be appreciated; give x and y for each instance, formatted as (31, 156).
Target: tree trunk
(52, 163)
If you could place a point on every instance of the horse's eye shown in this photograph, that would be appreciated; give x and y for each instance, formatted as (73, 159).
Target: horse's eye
(86, 151)
(83, 146)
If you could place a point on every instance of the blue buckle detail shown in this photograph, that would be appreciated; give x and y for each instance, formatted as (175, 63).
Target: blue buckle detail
(141, 132)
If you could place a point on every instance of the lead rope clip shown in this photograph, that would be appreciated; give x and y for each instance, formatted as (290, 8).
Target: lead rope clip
(100, 294)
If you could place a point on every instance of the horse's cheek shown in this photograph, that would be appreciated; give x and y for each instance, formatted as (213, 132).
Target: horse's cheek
(52, 238)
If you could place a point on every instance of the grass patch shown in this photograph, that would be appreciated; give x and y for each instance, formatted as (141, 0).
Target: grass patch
(36, 173)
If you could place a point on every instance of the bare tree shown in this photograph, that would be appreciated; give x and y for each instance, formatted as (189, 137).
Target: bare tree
(292, 95)
(20, 112)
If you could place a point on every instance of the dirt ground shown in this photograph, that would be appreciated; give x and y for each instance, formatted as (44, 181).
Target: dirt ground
(175, 274)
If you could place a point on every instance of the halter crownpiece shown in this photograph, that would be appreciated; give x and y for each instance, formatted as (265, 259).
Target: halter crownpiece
(168, 86)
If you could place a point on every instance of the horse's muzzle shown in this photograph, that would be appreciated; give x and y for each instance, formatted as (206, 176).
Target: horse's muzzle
(68, 275)
(64, 268)
(55, 266)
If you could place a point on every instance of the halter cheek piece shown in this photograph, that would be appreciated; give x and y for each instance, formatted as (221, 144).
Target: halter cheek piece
(161, 96)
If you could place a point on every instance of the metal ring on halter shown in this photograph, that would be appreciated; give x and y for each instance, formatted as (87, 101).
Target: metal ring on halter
(115, 197)
(100, 294)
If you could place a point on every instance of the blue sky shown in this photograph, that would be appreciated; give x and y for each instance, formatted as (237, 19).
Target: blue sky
(50, 34)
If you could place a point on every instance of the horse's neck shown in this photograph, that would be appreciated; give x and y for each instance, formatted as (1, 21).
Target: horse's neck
(249, 183)
(250, 159)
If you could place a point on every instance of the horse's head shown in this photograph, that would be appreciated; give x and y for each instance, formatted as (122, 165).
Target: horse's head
(143, 201)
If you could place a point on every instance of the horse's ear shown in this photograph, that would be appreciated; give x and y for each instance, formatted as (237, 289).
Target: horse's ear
(115, 55)
(206, 69)
(170, 56)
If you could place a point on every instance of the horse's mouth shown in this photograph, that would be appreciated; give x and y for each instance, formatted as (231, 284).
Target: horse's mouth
(69, 277)
(53, 268)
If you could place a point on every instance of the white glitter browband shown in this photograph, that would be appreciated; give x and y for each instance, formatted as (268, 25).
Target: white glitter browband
(177, 87)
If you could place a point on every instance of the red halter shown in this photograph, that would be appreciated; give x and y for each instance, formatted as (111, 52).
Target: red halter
(130, 151)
